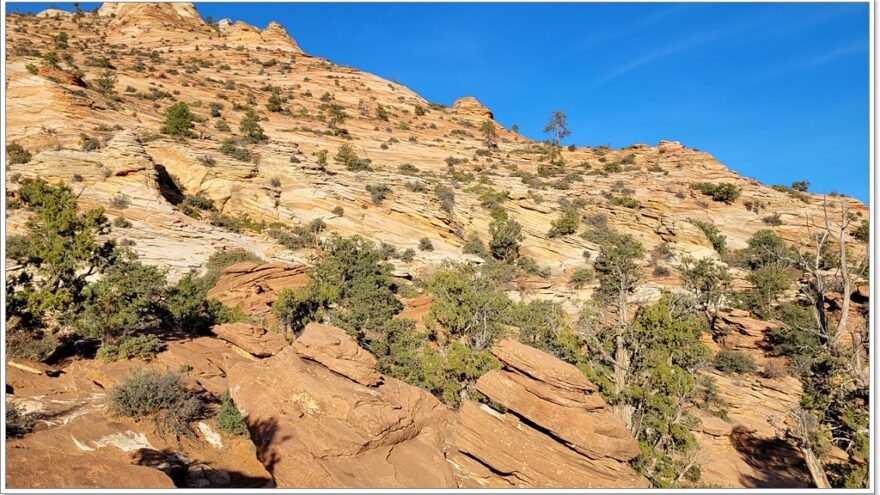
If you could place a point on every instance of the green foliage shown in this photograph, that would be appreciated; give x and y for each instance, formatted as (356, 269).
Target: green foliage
(230, 148)
(378, 193)
(793, 193)
(178, 120)
(724, 192)
(625, 201)
(449, 372)
(580, 277)
(727, 361)
(106, 82)
(381, 113)
(800, 185)
(351, 283)
(446, 197)
(708, 282)
(251, 130)
(16, 154)
(474, 245)
(617, 265)
(89, 143)
(566, 224)
(18, 422)
(540, 322)
(142, 346)
(161, 396)
(425, 244)
(229, 418)
(506, 235)
(347, 157)
(661, 386)
(125, 300)
(467, 304)
(490, 135)
(862, 232)
(716, 238)
(59, 252)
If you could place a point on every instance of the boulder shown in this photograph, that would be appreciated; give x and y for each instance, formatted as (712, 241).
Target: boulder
(315, 427)
(52, 468)
(254, 288)
(498, 450)
(254, 339)
(557, 432)
(558, 398)
(333, 348)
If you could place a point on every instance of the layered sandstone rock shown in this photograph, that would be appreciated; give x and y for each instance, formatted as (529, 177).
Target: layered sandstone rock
(317, 427)
(254, 339)
(573, 438)
(254, 287)
(51, 468)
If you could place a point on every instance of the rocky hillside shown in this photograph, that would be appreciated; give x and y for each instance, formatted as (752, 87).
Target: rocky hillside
(87, 98)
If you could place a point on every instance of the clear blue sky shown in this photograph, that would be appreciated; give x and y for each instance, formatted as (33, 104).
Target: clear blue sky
(778, 92)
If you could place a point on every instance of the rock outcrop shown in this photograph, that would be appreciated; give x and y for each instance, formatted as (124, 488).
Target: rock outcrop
(254, 287)
(317, 427)
(52, 469)
(557, 431)
(253, 339)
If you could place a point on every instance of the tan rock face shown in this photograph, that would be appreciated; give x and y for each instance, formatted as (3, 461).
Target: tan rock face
(253, 339)
(573, 428)
(333, 348)
(91, 448)
(316, 428)
(254, 288)
(27, 468)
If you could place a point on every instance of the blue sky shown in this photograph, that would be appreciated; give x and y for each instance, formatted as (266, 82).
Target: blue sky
(778, 92)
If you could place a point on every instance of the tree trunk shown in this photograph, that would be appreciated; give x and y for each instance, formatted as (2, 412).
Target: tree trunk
(847, 290)
(621, 365)
(817, 472)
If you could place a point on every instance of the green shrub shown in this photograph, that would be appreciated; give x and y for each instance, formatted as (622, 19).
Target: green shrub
(531, 267)
(229, 418)
(566, 224)
(89, 143)
(250, 128)
(230, 148)
(446, 197)
(378, 193)
(106, 82)
(448, 372)
(863, 231)
(793, 193)
(16, 154)
(727, 361)
(407, 169)
(774, 220)
(474, 245)
(506, 236)
(161, 396)
(120, 201)
(18, 422)
(425, 244)
(625, 201)
(347, 157)
(142, 346)
(716, 238)
(127, 299)
(580, 277)
(724, 192)
(463, 295)
(178, 120)
(121, 223)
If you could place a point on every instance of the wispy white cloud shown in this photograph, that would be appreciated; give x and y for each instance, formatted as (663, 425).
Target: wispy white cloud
(775, 26)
